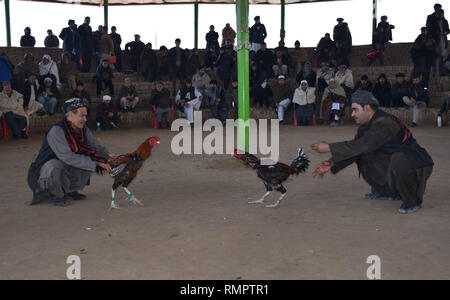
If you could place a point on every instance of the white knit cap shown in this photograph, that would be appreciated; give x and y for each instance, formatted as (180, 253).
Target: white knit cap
(303, 81)
(106, 98)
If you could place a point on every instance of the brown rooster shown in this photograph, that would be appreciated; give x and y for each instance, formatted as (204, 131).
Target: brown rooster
(274, 175)
(126, 166)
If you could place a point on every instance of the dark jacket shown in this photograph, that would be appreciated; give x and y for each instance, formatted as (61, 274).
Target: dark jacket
(161, 99)
(311, 78)
(103, 74)
(25, 90)
(51, 41)
(364, 87)
(53, 89)
(224, 63)
(85, 32)
(212, 95)
(103, 110)
(212, 39)
(419, 93)
(378, 41)
(263, 94)
(27, 41)
(434, 30)
(342, 33)
(264, 60)
(258, 33)
(445, 106)
(134, 49)
(398, 92)
(383, 93)
(66, 36)
(117, 40)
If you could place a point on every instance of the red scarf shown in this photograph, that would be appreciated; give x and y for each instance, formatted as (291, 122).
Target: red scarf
(77, 143)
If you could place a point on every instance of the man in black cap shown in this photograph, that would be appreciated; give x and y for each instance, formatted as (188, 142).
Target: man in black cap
(387, 28)
(258, 34)
(388, 157)
(342, 36)
(68, 156)
(27, 40)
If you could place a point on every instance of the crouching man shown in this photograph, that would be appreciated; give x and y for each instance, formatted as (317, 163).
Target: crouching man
(68, 156)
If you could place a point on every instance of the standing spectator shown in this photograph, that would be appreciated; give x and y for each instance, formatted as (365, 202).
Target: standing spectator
(325, 49)
(29, 90)
(177, 64)
(188, 99)
(307, 73)
(51, 41)
(106, 45)
(81, 93)
(48, 96)
(117, 40)
(229, 34)
(378, 41)
(215, 97)
(264, 60)
(364, 84)
(263, 94)
(258, 34)
(439, 30)
(333, 104)
(387, 28)
(193, 62)
(201, 80)
(106, 114)
(423, 54)
(382, 91)
(210, 59)
(298, 57)
(96, 36)
(163, 102)
(344, 78)
(433, 17)
(76, 47)
(26, 67)
(341, 54)
(85, 32)
(104, 76)
(27, 40)
(67, 36)
(148, 65)
(11, 104)
(399, 90)
(341, 33)
(323, 77)
(49, 68)
(417, 99)
(128, 96)
(304, 99)
(225, 67)
(212, 39)
(282, 97)
(445, 108)
(134, 50)
(281, 63)
(68, 71)
(163, 63)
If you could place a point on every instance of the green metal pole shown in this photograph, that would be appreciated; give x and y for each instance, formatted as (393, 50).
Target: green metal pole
(242, 9)
(283, 16)
(8, 24)
(195, 25)
(105, 9)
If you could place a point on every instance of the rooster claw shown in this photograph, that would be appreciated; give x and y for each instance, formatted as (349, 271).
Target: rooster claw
(135, 201)
(256, 201)
(273, 205)
(114, 206)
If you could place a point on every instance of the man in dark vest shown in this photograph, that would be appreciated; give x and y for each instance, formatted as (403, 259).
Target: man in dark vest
(68, 156)
(388, 157)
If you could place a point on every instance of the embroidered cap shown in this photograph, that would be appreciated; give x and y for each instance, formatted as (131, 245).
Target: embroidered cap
(73, 104)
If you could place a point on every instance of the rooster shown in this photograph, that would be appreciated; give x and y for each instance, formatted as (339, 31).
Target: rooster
(274, 175)
(126, 166)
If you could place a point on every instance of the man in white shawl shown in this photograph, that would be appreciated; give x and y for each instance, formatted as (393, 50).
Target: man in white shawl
(49, 68)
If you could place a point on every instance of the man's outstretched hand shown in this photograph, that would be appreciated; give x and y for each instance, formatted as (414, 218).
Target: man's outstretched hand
(323, 168)
(321, 147)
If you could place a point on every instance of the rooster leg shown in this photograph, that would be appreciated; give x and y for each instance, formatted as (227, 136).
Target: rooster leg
(113, 201)
(278, 201)
(132, 198)
(260, 200)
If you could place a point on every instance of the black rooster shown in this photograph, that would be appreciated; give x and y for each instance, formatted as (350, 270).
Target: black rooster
(274, 175)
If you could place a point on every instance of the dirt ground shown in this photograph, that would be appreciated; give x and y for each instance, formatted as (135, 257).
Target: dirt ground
(196, 223)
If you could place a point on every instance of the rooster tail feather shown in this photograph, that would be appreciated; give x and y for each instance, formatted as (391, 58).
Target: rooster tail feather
(301, 162)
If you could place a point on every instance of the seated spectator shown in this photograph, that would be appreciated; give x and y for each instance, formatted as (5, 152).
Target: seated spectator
(148, 65)
(224, 66)
(128, 96)
(262, 94)
(51, 41)
(264, 59)
(282, 97)
(255, 77)
(307, 73)
(106, 114)
(325, 49)
(382, 91)
(417, 100)
(364, 84)
(11, 104)
(48, 96)
(163, 63)
(229, 34)
(29, 90)
(26, 67)
(194, 63)
(304, 98)
(235, 95)
(298, 57)
(399, 90)
(333, 103)
(68, 71)
(215, 97)
(210, 59)
(445, 108)
(201, 80)
(188, 99)
(212, 39)
(49, 68)
(284, 51)
(163, 102)
(80, 92)
(281, 63)
(344, 78)
(103, 77)
(27, 40)
(323, 77)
